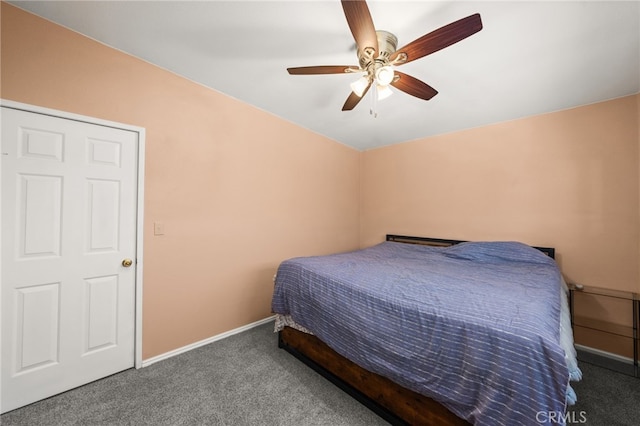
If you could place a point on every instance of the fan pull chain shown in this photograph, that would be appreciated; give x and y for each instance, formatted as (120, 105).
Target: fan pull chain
(374, 101)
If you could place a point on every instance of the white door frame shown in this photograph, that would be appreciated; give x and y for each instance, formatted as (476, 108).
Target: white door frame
(139, 201)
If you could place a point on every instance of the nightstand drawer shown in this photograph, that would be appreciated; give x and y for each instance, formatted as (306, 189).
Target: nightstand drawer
(605, 326)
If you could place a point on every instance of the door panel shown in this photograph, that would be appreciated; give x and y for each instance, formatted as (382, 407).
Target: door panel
(103, 215)
(101, 313)
(38, 319)
(40, 212)
(69, 192)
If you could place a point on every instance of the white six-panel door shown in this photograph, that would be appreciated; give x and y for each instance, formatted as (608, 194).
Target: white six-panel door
(68, 223)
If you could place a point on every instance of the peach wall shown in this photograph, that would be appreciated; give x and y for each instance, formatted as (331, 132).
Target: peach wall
(567, 179)
(238, 190)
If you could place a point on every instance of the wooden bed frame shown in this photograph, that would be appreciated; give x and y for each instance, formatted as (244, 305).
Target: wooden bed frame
(389, 400)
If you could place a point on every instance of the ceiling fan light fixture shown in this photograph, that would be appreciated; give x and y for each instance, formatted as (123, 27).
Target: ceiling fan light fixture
(384, 75)
(360, 85)
(378, 55)
(383, 91)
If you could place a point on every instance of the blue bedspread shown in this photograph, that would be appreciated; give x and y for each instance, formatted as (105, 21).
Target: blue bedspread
(474, 326)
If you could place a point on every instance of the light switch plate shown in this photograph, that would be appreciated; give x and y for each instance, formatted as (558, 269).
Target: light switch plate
(158, 228)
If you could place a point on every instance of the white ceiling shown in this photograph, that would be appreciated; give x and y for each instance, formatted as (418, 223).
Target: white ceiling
(530, 57)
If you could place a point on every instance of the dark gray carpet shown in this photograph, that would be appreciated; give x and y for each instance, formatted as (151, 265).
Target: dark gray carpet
(241, 380)
(606, 398)
(246, 380)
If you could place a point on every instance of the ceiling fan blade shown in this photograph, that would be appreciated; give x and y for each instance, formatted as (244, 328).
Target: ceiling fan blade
(354, 99)
(361, 25)
(324, 69)
(413, 86)
(439, 39)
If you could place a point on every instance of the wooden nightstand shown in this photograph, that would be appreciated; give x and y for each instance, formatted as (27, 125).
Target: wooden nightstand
(605, 327)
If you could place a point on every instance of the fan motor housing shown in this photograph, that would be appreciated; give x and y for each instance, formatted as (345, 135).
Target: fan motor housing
(387, 44)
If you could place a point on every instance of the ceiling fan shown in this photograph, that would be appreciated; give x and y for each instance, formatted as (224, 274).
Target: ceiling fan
(378, 57)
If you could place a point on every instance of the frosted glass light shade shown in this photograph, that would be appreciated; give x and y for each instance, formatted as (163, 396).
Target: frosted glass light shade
(359, 86)
(383, 92)
(384, 75)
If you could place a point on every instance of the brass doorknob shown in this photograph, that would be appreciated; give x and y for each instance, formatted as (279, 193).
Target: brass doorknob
(127, 262)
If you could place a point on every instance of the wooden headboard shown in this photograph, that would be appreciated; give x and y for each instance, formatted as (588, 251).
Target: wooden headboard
(439, 242)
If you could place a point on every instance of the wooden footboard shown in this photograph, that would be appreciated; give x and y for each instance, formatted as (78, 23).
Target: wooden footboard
(391, 401)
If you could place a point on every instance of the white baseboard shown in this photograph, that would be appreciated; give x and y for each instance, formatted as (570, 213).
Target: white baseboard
(167, 355)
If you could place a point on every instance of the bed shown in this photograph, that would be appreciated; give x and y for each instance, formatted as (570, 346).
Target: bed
(435, 331)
